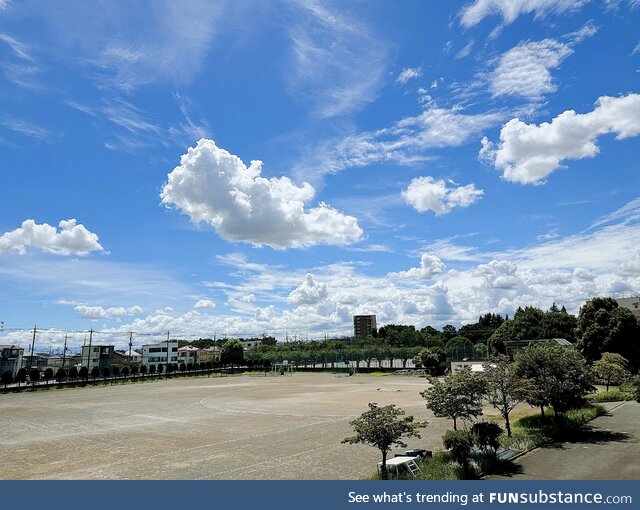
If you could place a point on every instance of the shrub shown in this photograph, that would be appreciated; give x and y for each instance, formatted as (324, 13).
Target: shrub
(459, 443)
(7, 377)
(152, 369)
(48, 374)
(486, 436)
(106, 372)
(125, 371)
(61, 374)
(34, 375)
(73, 373)
(83, 373)
(21, 376)
(95, 372)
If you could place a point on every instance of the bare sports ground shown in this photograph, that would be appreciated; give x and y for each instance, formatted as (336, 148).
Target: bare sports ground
(239, 427)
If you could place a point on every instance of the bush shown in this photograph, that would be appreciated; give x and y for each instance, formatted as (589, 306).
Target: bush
(486, 436)
(610, 396)
(95, 372)
(7, 377)
(442, 466)
(34, 375)
(61, 374)
(83, 373)
(106, 372)
(73, 373)
(459, 443)
(125, 371)
(532, 431)
(21, 376)
(48, 374)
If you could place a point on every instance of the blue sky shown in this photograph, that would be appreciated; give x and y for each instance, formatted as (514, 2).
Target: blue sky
(276, 167)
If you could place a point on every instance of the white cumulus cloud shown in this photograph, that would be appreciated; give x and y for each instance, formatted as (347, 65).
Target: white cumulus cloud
(98, 312)
(430, 266)
(408, 73)
(474, 13)
(528, 153)
(70, 238)
(310, 292)
(213, 186)
(205, 303)
(439, 196)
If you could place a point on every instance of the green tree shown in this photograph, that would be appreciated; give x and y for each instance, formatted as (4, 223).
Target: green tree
(603, 326)
(115, 370)
(7, 378)
(505, 389)
(457, 396)
(48, 374)
(382, 428)
(125, 372)
(232, 353)
(84, 373)
(106, 372)
(558, 377)
(73, 373)
(95, 373)
(611, 369)
(430, 358)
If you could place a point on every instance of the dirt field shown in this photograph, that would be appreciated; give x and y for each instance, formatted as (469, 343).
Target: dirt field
(241, 427)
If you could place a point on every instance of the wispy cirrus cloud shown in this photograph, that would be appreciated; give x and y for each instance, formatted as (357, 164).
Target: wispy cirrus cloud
(337, 63)
(510, 10)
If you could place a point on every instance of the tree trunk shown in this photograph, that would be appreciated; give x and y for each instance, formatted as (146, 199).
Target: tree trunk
(383, 468)
(507, 424)
(455, 423)
(542, 410)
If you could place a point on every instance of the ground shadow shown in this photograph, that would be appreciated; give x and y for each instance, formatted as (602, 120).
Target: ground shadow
(590, 435)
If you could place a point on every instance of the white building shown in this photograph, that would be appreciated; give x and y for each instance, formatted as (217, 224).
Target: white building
(251, 344)
(160, 354)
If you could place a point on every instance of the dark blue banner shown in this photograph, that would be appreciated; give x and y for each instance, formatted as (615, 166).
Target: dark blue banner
(171, 495)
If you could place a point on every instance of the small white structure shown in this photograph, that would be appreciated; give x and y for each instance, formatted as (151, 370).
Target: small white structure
(476, 366)
(401, 465)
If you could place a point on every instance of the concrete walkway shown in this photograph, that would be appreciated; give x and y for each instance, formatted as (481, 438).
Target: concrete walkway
(606, 449)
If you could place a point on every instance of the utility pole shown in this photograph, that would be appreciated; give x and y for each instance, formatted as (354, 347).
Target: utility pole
(167, 367)
(33, 342)
(130, 344)
(89, 353)
(64, 351)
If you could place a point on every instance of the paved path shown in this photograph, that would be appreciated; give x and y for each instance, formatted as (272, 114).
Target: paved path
(607, 449)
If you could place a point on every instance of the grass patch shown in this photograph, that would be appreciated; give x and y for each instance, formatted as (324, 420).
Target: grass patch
(613, 395)
(532, 431)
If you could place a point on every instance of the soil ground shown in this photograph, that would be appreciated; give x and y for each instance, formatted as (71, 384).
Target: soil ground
(236, 427)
